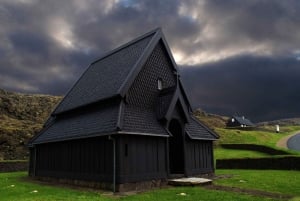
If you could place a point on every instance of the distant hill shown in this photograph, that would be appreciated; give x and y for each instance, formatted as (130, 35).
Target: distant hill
(282, 122)
(211, 120)
(21, 116)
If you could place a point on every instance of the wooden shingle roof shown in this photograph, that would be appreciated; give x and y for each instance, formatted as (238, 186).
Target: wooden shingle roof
(95, 104)
(197, 131)
(105, 77)
(89, 123)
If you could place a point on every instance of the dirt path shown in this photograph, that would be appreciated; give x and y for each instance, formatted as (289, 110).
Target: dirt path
(282, 143)
(250, 192)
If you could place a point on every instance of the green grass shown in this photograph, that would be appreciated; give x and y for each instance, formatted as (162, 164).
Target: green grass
(221, 153)
(14, 186)
(278, 181)
(265, 137)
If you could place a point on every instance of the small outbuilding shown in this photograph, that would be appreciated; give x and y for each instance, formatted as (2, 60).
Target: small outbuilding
(127, 123)
(240, 122)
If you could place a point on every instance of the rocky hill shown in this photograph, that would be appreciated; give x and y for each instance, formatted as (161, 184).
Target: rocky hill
(211, 120)
(21, 116)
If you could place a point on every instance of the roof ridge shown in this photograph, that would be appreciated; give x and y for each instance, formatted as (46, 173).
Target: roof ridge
(119, 48)
(140, 62)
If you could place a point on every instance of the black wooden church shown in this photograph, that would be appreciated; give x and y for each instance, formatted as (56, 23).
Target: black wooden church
(126, 121)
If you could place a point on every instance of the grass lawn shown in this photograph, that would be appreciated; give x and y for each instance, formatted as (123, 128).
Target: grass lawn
(221, 153)
(279, 181)
(13, 186)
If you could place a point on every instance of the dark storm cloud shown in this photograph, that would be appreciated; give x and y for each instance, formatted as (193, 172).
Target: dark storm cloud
(39, 36)
(231, 28)
(261, 21)
(46, 45)
(262, 88)
(24, 42)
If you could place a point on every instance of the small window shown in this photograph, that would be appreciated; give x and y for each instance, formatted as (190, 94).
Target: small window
(159, 84)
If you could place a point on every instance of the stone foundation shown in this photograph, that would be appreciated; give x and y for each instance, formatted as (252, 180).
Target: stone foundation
(74, 182)
(134, 186)
(141, 186)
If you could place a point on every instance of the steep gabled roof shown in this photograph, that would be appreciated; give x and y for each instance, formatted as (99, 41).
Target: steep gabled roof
(114, 73)
(103, 85)
(105, 77)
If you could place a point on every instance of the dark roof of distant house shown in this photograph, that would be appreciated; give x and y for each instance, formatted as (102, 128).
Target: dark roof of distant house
(243, 121)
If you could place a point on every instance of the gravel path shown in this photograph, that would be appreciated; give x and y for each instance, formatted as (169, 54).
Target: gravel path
(283, 141)
(294, 142)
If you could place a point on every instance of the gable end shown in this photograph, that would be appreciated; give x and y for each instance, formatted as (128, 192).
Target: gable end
(144, 92)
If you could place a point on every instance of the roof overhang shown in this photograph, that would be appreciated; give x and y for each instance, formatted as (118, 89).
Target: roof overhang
(198, 138)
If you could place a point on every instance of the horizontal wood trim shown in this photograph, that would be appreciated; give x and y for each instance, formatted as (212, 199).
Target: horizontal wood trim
(142, 134)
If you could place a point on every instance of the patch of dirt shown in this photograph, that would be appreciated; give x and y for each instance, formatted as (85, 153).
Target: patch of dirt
(222, 176)
(249, 192)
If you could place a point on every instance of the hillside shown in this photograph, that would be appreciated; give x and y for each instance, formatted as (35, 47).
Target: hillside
(282, 122)
(21, 116)
(213, 121)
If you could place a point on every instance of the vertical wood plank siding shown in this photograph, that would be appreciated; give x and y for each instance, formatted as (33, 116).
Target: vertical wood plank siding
(146, 158)
(86, 159)
(31, 161)
(199, 157)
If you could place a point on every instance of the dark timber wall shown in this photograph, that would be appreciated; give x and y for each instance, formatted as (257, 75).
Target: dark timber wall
(199, 157)
(141, 158)
(86, 159)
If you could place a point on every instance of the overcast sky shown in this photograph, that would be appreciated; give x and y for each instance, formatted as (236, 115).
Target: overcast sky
(236, 57)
